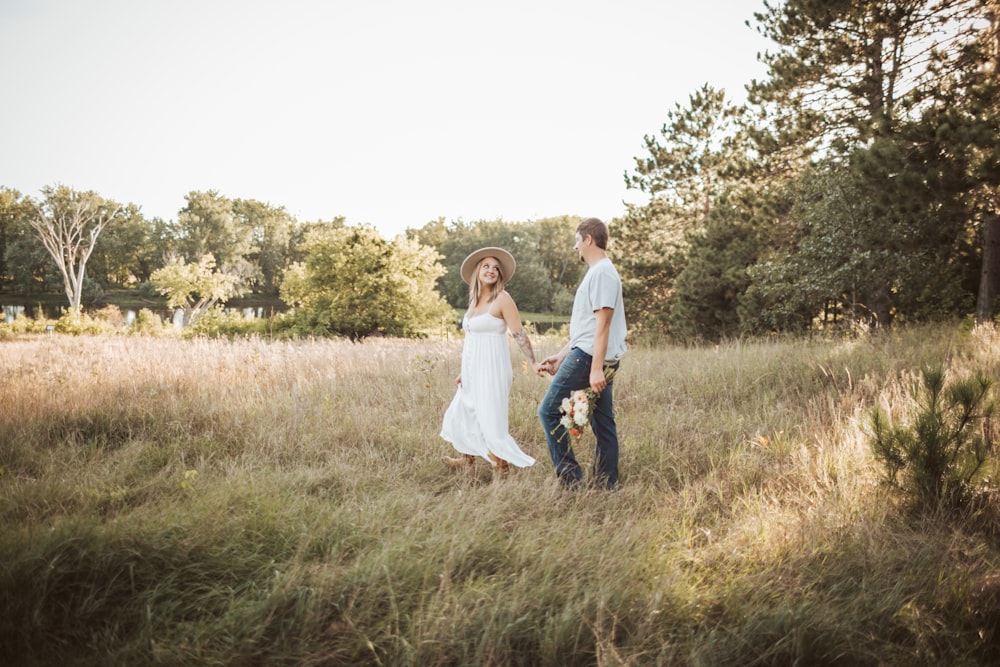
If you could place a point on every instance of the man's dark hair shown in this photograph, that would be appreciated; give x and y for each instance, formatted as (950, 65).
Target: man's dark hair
(595, 229)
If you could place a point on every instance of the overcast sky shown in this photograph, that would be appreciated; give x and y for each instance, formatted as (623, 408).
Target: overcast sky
(388, 112)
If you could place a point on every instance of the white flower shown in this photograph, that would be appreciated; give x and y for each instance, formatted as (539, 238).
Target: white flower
(580, 416)
(566, 422)
(566, 407)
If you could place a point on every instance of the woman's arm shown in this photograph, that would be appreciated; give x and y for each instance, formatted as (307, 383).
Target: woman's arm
(510, 315)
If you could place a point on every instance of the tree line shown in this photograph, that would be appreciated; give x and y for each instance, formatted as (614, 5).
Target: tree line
(857, 185)
(338, 279)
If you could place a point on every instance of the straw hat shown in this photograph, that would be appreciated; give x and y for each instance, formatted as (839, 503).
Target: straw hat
(469, 264)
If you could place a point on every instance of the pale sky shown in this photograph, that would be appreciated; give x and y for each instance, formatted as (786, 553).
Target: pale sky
(387, 112)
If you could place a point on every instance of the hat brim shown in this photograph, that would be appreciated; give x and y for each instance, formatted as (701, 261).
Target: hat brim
(469, 264)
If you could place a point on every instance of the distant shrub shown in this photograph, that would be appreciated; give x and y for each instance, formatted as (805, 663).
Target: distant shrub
(562, 301)
(147, 323)
(281, 325)
(111, 315)
(148, 291)
(77, 323)
(217, 322)
(938, 457)
(22, 324)
(93, 294)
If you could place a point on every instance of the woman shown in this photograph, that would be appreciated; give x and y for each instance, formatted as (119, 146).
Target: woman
(476, 421)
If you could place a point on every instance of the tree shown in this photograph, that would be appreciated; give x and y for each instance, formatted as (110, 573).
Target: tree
(965, 123)
(271, 231)
(546, 264)
(848, 71)
(15, 212)
(940, 455)
(709, 290)
(688, 169)
(554, 237)
(207, 225)
(68, 223)
(195, 287)
(648, 249)
(829, 260)
(849, 236)
(130, 250)
(850, 77)
(354, 283)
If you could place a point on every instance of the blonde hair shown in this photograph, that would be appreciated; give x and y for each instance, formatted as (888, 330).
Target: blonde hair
(475, 289)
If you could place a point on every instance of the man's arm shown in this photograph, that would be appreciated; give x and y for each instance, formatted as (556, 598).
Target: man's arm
(597, 380)
(551, 364)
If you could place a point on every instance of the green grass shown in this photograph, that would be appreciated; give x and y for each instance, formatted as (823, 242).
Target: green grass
(241, 503)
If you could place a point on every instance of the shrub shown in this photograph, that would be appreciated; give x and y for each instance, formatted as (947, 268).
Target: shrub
(147, 323)
(938, 456)
(111, 315)
(216, 322)
(78, 323)
(21, 324)
(148, 291)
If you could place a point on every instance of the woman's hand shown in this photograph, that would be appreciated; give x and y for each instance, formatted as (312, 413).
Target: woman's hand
(551, 364)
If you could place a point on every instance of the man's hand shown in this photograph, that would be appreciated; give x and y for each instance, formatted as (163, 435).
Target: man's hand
(597, 380)
(549, 365)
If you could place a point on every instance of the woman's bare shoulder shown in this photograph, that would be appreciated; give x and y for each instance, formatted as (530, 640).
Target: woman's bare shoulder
(505, 297)
(502, 305)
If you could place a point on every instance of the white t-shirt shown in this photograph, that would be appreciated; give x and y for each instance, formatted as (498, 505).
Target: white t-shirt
(600, 288)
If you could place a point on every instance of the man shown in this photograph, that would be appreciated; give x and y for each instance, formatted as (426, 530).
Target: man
(596, 344)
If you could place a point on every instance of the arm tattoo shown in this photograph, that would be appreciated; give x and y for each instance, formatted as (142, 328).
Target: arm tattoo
(525, 344)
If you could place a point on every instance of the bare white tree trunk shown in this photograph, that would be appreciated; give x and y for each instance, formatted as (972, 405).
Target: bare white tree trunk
(68, 224)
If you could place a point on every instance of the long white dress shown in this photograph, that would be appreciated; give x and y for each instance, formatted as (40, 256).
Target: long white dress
(476, 421)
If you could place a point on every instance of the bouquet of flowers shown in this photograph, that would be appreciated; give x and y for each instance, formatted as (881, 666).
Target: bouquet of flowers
(577, 408)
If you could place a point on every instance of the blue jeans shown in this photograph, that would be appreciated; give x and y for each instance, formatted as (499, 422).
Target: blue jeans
(573, 374)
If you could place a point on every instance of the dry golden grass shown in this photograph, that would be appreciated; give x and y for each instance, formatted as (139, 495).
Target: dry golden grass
(202, 502)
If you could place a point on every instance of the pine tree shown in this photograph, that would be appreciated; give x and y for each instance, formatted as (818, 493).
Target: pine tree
(847, 83)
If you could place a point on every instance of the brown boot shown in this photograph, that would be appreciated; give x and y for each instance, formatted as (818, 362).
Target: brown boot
(460, 462)
(502, 468)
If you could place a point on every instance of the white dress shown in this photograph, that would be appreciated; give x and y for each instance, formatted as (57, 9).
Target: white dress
(476, 421)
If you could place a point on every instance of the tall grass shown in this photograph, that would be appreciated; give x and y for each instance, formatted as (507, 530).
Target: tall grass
(233, 503)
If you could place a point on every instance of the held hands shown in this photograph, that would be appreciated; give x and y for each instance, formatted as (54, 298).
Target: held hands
(548, 365)
(598, 381)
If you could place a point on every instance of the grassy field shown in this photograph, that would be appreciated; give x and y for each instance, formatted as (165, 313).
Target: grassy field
(251, 503)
